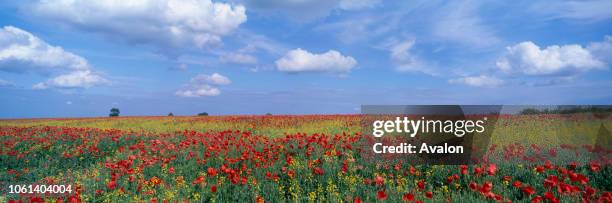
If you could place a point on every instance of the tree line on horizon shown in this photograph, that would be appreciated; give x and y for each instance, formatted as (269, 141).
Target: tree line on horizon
(114, 112)
(567, 110)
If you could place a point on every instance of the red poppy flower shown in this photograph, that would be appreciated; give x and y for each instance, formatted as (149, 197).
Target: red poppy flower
(259, 199)
(36, 200)
(408, 197)
(198, 180)
(540, 169)
(429, 194)
(551, 181)
(550, 197)
(212, 172)
(572, 165)
(74, 199)
(517, 184)
(473, 186)
(357, 200)
(421, 184)
(318, 171)
(464, 169)
(528, 190)
(477, 171)
(111, 185)
(379, 180)
(486, 187)
(589, 191)
(491, 169)
(381, 195)
(213, 188)
(595, 166)
(536, 199)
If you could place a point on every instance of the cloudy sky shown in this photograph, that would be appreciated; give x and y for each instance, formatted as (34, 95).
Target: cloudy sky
(73, 58)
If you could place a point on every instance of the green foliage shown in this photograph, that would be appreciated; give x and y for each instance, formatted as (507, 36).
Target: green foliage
(170, 114)
(203, 114)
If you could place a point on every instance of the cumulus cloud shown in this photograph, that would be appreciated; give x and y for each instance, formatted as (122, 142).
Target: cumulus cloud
(163, 23)
(203, 85)
(404, 60)
(478, 81)
(238, 58)
(215, 79)
(199, 91)
(299, 60)
(22, 52)
(528, 58)
(77, 79)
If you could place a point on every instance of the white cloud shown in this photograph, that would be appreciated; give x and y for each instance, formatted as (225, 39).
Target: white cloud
(404, 60)
(589, 10)
(203, 85)
(528, 58)
(459, 22)
(478, 81)
(164, 23)
(357, 4)
(215, 79)
(180, 67)
(299, 60)
(602, 50)
(199, 91)
(76, 79)
(238, 58)
(22, 52)
(361, 28)
(4, 83)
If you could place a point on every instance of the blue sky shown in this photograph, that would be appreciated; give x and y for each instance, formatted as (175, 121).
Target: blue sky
(80, 58)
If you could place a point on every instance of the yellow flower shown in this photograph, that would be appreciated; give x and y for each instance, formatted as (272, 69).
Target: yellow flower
(180, 180)
(196, 196)
(457, 186)
(312, 196)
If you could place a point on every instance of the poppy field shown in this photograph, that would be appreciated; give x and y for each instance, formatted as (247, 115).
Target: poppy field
(314, 158)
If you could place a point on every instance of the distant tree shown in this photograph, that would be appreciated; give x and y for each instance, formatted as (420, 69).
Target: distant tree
(268, 114)
(170, 114)
(203, 114)
(114, 112)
